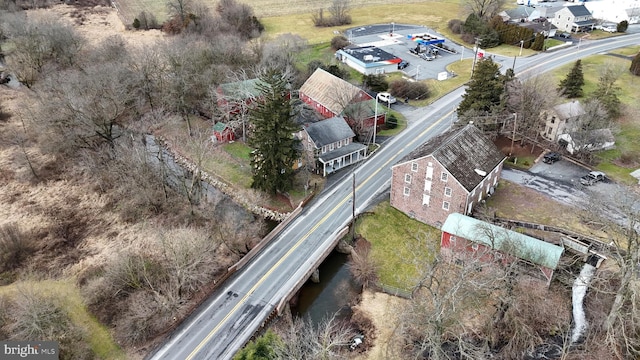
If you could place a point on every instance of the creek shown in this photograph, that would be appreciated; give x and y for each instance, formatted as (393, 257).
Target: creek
(334, 294)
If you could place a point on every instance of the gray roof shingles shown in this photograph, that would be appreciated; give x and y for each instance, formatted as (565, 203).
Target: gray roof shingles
(329, 131)
(461, 152)
(579, 10)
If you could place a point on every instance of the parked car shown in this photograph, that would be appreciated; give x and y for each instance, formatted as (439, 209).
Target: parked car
(403, 64)
(428, 56)
(385, 97)
(610, 28)
(550, 158)
(592, 178)
(564, 35)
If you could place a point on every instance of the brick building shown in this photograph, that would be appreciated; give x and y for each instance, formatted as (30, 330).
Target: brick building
(450, 173)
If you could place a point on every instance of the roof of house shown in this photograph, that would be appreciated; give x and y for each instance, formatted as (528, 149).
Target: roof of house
(220, 126)
(465, 153)
(329, 131)
(509, 242)
(329, 90)
(593, 137)
(539, 27)
(579, 10)
(520, 12)
(341, 151)
(363, 109)
(547, 11)
(569, 109)
(241, 89)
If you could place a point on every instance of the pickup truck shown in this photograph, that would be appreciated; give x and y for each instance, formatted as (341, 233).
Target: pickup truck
(592, 178)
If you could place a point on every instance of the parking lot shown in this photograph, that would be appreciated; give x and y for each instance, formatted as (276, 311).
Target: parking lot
(561, 182)
(392, 38)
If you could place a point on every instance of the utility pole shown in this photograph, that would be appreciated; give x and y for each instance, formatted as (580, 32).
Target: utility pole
(513, 135)
(475, 55)
(353, 208)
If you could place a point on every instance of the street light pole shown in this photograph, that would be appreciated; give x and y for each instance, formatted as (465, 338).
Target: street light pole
(521, 44)
(375, 119)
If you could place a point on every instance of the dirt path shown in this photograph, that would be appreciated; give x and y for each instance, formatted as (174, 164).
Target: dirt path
(382, 310)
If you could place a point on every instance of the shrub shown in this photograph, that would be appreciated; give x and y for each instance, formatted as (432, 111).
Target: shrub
(136, 23)
(338, 71)
(15, 246)
(392, 121)
(376, 82)
(339, 42)
(407, 89)
(622, 26)
(455, 25)
(635, 65)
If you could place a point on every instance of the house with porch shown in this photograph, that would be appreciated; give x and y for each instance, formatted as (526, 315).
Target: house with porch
(450, 173)
(328, 145)
(561, 119)
(575, 18)
(465, 238)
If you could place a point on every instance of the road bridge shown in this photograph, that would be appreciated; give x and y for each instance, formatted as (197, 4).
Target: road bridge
(227, 320)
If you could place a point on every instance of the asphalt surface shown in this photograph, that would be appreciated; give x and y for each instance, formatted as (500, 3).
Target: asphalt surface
(225, 322)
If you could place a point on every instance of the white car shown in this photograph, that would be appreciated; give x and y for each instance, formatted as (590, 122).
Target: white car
(385, 97)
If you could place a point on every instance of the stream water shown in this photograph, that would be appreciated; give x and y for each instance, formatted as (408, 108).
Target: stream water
(332, 295)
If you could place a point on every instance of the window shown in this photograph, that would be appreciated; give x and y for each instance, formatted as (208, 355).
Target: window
(331, 146)
(414, 166)
(406, 191)
(445, 205)
(339, 144)
(425, 199)
(429, 172)
(407, 178)
(495, 181)
(549, 129)
(324, 149)
(427, 186)
(553, 119)
(480, 196)
(444, 176)
(447, 191)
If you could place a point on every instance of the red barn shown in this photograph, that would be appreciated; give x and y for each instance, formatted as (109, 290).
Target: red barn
(464, 237)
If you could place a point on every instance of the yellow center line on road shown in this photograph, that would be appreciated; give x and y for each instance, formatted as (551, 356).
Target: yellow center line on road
(297, 244)
(263, 278)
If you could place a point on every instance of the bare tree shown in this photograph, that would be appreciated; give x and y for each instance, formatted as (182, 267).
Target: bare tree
(339, 11)
(362, 266)
(325, 341)
(38, 41)
(180, 9)
(527, 99)
(484, 9)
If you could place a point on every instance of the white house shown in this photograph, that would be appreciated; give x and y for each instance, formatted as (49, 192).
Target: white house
(615, 10)
(573, 18)
(601, 139)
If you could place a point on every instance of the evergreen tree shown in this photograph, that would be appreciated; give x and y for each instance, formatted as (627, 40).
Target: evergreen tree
(262, 348)
(571, 86)
(538, 43)
(276, 148)
(635, 65)
(485, 89)
(622, 26)
(607, 91)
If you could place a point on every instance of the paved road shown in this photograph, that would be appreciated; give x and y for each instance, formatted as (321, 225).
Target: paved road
(223, 324)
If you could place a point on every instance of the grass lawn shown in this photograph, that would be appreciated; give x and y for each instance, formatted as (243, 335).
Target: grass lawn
(399, 244)
(98, 335)
(622, 160)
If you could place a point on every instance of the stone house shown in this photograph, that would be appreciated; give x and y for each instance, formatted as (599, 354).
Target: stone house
(450, 173)
(465, 238)
(561, 119)
(574, 18)
(328, 145)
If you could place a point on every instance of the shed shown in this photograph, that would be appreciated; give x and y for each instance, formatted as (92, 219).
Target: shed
(222, 132)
